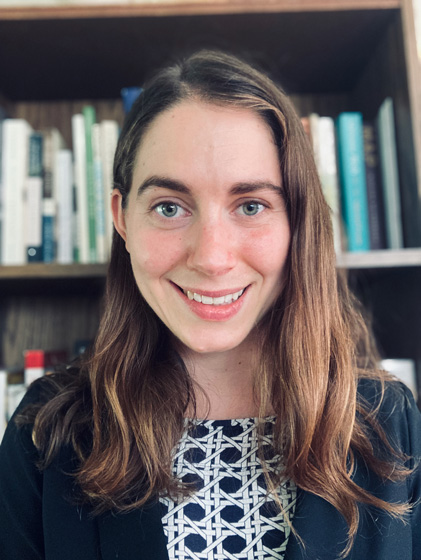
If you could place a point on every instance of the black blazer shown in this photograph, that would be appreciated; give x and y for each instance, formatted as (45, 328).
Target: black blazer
(38, 521)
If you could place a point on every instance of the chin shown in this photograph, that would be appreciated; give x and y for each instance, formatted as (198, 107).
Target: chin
(211, 345)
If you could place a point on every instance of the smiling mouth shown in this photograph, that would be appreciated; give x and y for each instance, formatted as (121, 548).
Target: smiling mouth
(208, 300)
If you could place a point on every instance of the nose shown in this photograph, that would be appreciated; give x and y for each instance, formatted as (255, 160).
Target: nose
(211, 248)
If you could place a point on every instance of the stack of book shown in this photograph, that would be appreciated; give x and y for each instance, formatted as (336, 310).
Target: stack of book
(55, 202)
(14, 382)
(372, 204)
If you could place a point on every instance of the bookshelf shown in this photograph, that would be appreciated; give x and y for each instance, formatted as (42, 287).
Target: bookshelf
(330, 55)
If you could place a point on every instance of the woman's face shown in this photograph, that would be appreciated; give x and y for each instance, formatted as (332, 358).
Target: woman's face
(205, 223)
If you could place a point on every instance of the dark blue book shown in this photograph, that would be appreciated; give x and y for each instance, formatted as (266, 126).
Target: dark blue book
(376, 216)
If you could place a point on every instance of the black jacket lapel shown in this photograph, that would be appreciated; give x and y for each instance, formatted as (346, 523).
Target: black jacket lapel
(322, 529)
(137, 535)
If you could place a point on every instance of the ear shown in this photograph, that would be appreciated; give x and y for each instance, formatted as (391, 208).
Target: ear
(118, 213)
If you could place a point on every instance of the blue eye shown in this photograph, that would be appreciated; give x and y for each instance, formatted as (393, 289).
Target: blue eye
(251, 208)
(168, 209)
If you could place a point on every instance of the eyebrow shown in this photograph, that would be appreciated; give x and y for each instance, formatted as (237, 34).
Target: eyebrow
(241, 188)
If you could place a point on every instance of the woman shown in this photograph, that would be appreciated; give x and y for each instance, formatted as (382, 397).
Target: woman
(221, 413)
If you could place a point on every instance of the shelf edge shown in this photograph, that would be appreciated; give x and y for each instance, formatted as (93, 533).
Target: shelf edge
(193, 7)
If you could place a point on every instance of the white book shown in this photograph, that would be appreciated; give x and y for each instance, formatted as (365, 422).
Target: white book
(14, 172)
(404, 370)
(324, 146)
(79, 154)
(15, 393)
(33, 215)
(109, 139)
(64, 195)
(101, 249)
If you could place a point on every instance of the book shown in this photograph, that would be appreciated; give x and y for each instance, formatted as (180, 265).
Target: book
(53, 142)
(322, 134)
(64, 196)
(389, 174)
(14, 394)
(33, 199)
(39, 362)
(129, 96)
(374, 188)
(48, 230)
(404, 370)
(15, 390)
(407, 165)
(109, 138)
(101, 241)
(81, 194)
(89, 116)
(15, 148)
(353, 180)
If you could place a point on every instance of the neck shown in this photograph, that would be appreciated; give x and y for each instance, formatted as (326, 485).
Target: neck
(224, 382)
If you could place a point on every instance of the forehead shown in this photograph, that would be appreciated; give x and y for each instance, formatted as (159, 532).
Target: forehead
(193, 137)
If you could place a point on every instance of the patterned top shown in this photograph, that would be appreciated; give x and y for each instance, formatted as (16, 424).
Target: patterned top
(230, 515)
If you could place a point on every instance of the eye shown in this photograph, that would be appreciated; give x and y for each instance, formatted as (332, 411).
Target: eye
(251, 208)
(169, 210)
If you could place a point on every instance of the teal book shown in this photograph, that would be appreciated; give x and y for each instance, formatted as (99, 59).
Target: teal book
(353, 180)
(90, 119)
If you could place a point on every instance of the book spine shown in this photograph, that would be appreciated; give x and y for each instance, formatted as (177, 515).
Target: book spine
(64, 207)
(15, 170)
(129, 96)
(81, 202)
(39, 362)
(390, 176)
(353, 181)
(101, 247)
(48, 230)
(328, 173)
(374, 189)
(89, 117)
(15, 394)
(33, 198)
(49, 210)
(109, 139)
(404, 370)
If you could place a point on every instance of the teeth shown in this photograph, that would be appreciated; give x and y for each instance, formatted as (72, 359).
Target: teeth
(206, 300)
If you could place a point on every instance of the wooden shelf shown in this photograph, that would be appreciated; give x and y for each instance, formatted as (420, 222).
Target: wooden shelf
(114, 50)
(187, 7)
(380, 259)
(52, 271)
(370, 259)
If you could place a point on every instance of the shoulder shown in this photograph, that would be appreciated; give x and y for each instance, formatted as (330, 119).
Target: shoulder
(392, 405)
(44, 408)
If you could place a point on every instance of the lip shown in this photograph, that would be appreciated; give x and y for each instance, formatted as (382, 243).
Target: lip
(214, 313)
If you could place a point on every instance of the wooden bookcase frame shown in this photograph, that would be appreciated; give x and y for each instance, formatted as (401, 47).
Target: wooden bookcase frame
(330, 55)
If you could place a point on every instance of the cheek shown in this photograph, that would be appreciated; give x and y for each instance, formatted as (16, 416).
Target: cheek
(152, 253)
(268, 250)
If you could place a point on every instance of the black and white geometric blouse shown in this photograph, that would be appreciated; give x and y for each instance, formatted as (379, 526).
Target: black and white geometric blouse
(230, 516)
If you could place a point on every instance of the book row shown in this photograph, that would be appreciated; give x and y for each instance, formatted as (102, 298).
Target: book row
(374, 205)
(55, 201)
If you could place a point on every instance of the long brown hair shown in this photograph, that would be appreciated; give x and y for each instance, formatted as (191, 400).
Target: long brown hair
(132, 392)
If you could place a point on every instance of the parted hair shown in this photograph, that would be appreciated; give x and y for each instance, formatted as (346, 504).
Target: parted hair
(123, 410)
